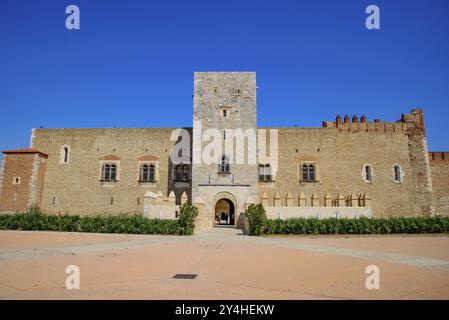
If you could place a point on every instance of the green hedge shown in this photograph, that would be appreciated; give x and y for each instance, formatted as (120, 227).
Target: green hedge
(411, 225)
(37, 221)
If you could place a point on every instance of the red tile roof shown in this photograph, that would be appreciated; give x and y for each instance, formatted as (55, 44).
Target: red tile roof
(25, 150)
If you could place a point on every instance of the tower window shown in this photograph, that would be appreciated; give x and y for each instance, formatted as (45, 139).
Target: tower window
(225, 113)
(224, 165)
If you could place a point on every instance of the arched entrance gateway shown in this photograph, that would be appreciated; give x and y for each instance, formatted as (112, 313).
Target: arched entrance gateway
(224, 212)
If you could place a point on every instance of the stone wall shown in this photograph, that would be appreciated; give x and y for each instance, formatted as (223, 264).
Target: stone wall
(75, 187)
(317, 212)
(340, 154)
(439, 167)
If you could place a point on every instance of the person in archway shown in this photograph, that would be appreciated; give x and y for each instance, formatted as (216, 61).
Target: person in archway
(223, 218)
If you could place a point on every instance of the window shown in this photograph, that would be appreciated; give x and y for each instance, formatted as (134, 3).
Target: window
(16, 180)
(225, 113)
(308, 172)
(147, 173)
(65, 152)
(182, 172)
(265, 172)
(397, 173)
(109, 172)
(368, 173)
(224, 165)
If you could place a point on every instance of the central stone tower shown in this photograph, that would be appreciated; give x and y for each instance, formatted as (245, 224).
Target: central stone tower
(224, 144)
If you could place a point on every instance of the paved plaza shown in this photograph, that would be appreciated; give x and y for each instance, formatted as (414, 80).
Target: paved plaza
(227, 265)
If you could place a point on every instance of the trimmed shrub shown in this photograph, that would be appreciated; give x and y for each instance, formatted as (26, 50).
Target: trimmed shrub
(186, 219)
(257, 219)
(36, 221)
(410, 225)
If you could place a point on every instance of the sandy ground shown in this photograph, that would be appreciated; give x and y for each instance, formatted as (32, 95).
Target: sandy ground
(228, 266)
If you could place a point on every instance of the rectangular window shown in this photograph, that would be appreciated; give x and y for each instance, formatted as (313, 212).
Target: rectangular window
(182, 172)
(147, 173)
(265, 172)
(397, 174)
(109, 172)
(308, 172)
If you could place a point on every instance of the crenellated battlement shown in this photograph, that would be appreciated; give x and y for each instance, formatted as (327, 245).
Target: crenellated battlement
(412, 123)
(439, 156)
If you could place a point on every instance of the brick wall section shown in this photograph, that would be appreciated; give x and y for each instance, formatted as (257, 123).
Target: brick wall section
(29, 168)
(439, 166)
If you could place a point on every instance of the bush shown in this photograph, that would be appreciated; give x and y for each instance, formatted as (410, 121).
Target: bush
(257, 219)
(186, 220)
(409, 225)
(37, 221)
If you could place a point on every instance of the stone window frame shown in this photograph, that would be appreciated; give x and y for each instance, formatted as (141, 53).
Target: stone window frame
(154, 163)
(316, 171)
(117, 173)
(64, 154)
(401, 173)
(16, 180)
(371, 173)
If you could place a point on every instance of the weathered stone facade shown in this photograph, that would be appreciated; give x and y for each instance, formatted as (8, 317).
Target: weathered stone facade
(374, 168)
(439, 167)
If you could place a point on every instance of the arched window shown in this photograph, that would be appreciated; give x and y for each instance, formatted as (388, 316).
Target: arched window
(397, 173)
(224, 165)
(65, 154)
(308, 172)
(265, 172)
(147, 173)
(109, 172)
(368, 173)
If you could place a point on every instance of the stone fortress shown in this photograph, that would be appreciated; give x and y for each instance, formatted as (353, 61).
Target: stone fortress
(346, 168)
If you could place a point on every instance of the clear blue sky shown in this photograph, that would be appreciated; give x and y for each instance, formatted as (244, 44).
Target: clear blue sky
(132, 62)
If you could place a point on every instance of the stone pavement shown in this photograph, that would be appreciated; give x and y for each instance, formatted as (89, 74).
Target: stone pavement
(228, 265)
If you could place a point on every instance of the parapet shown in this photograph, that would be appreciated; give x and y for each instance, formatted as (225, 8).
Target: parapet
(439, 156)
(412, 123)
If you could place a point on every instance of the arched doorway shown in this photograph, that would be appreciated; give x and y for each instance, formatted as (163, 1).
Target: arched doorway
(224, 212)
